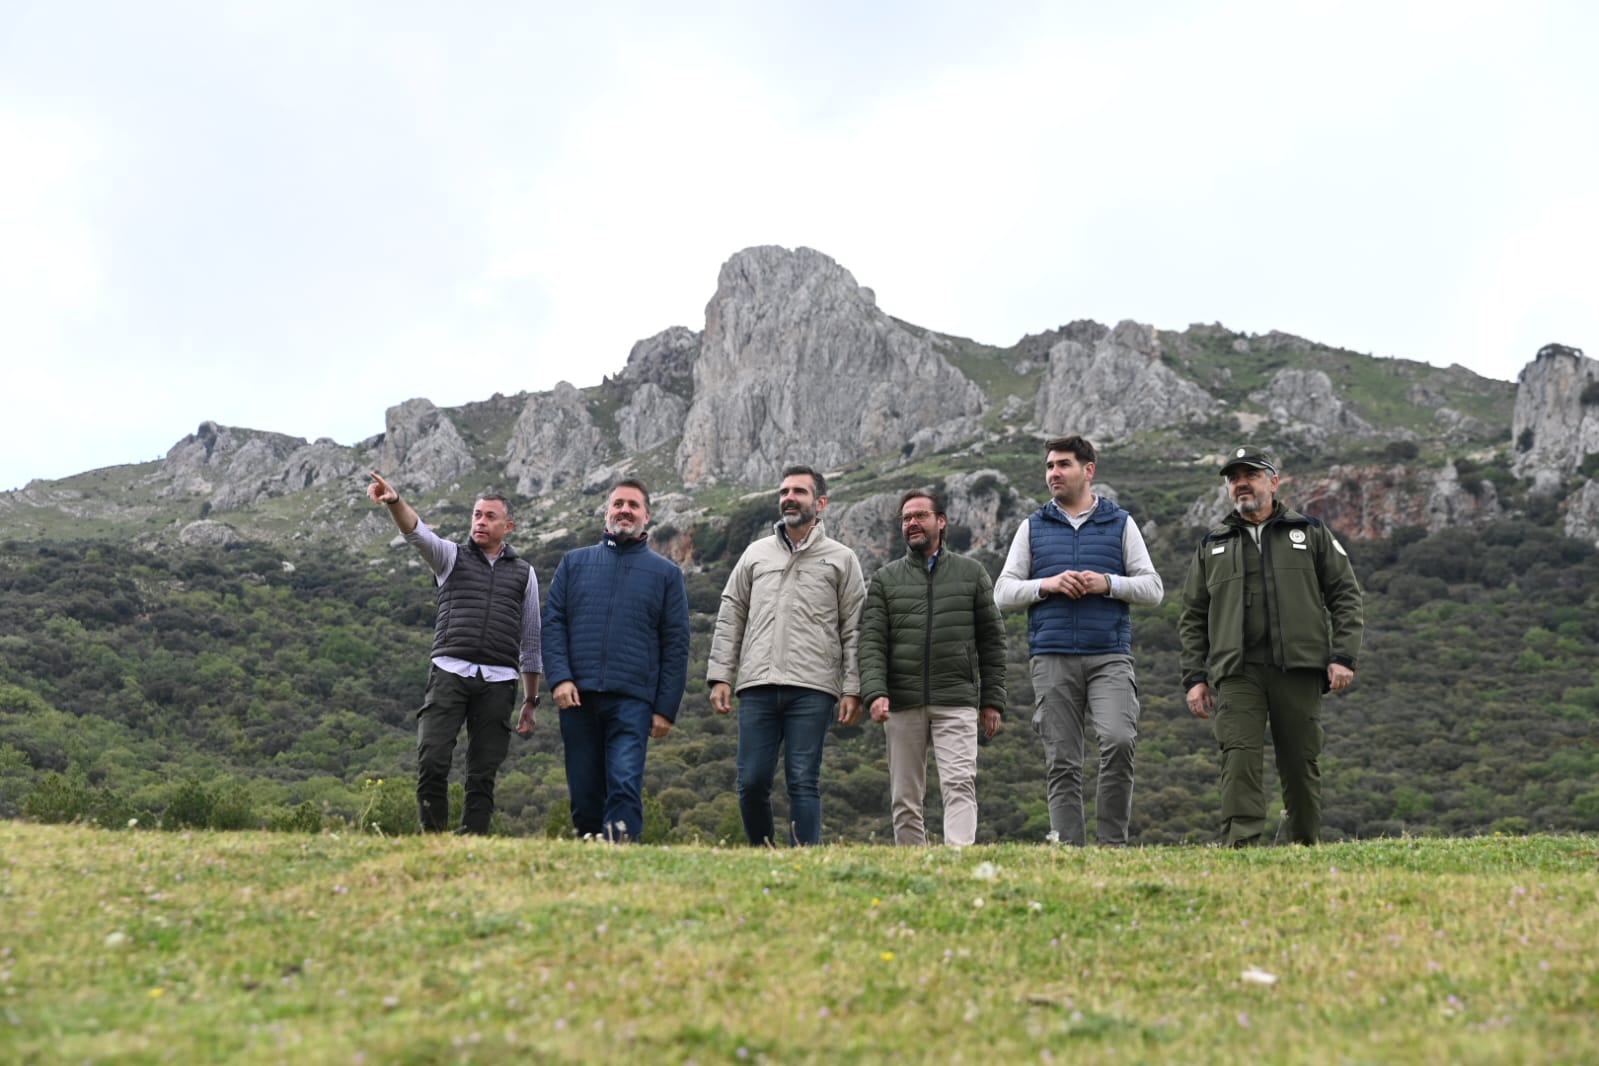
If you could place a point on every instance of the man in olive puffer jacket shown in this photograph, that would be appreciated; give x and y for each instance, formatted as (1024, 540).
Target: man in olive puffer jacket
(932, 670)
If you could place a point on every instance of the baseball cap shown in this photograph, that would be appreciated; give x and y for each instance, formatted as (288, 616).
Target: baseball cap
(1248, 456)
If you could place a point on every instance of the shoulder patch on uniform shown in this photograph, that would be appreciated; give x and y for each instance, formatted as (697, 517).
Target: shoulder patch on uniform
(1339, 548)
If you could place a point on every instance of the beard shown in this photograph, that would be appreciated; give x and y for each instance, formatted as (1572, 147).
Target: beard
(799, 516)
(1250, 505)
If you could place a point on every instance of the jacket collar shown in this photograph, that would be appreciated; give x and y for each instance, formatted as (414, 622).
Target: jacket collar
(815, 536)
(624, 544)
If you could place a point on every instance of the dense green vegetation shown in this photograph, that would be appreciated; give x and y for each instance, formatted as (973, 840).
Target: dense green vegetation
(259, 685)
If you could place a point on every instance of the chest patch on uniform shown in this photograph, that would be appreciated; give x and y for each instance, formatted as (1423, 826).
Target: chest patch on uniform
(1297, 536)
(1220, 549)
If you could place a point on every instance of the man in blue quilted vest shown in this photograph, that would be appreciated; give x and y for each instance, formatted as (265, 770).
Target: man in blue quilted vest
(487, 632)
(1078, 564)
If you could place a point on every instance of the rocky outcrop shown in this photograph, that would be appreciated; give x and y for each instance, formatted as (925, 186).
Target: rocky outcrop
(797, 364)
(1114, 387)
(652, 417)
(555, 442)
(1582, 513)
(422, 449)
(1556, 420)
(1307, 409)
(234, 468)
(208, 533)
(1370, 502)
(666, 359)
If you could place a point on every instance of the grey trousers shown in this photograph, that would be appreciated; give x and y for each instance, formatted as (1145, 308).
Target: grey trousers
(1068, 692)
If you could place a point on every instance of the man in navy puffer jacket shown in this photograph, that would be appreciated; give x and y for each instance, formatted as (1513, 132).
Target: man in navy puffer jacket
(616, 642)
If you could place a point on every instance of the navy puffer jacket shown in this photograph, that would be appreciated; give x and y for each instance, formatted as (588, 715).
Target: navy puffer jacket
(616, 620)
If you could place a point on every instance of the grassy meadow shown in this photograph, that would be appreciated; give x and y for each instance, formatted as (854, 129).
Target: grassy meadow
(249, 947)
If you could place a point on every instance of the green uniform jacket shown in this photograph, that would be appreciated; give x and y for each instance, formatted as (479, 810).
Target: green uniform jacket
(933, 639)
(1313, 602)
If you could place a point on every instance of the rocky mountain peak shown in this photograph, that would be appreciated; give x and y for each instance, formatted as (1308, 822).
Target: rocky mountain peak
(422, 449)
(233, 468)
(1109, 384)
(1556, 421)
(797, 364)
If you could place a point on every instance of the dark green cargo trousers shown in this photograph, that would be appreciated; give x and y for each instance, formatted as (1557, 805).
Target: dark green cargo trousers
(1290, 702)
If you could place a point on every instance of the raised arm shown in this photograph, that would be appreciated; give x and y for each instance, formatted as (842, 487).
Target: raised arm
(381, 492)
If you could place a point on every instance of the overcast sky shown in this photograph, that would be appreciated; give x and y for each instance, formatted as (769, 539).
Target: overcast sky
(293, 215)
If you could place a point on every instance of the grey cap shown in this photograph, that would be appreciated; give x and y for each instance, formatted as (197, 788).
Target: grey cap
(1246, 455)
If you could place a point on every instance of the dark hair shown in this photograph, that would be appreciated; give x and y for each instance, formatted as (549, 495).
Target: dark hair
(632, 483)
(1077, 444)
(497, 498)
(818, 482)
(930, 494)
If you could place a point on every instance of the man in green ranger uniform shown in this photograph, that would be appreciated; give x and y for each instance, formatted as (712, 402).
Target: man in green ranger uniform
(1271, 619)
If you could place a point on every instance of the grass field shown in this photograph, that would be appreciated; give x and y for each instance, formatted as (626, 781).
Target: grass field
(251, 947)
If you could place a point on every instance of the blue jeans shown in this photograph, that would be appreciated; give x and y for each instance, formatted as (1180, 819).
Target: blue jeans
(606, 739)
(795, 719)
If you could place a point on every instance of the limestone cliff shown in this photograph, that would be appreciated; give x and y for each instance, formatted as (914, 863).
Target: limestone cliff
(1114, 385)
(1306, 408)
(798, 364)
(1556, 421)
(232, 468)
(555, 442)
(422, 449)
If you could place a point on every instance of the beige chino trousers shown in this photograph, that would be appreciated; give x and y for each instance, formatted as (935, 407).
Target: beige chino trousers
(952, 734)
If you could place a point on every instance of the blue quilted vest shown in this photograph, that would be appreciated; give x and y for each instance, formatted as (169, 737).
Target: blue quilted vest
(1092, 625)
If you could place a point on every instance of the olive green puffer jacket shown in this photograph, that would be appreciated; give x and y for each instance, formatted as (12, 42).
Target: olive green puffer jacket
(933, 639)
(1312, 608)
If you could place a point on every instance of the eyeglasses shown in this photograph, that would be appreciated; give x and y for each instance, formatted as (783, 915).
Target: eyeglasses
(915, 516)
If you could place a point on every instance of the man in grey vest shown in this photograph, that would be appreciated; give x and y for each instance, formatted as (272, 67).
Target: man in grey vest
(1077, 564)
(486, 633)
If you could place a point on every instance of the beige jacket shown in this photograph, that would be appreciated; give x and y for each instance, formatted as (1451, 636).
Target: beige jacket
(791, 617)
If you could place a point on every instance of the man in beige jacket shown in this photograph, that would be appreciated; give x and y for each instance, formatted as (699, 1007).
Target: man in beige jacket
(787, 628)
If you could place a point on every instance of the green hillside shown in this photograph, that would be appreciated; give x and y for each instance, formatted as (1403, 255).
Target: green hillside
(274, 681)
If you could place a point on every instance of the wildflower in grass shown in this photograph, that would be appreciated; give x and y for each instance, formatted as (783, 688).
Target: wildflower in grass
(978, 902)
(1034, 905)
(116, 940)
(985, 871)
(1243, 1019)
(157, 993)
(887, 956)
(1256, 976)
